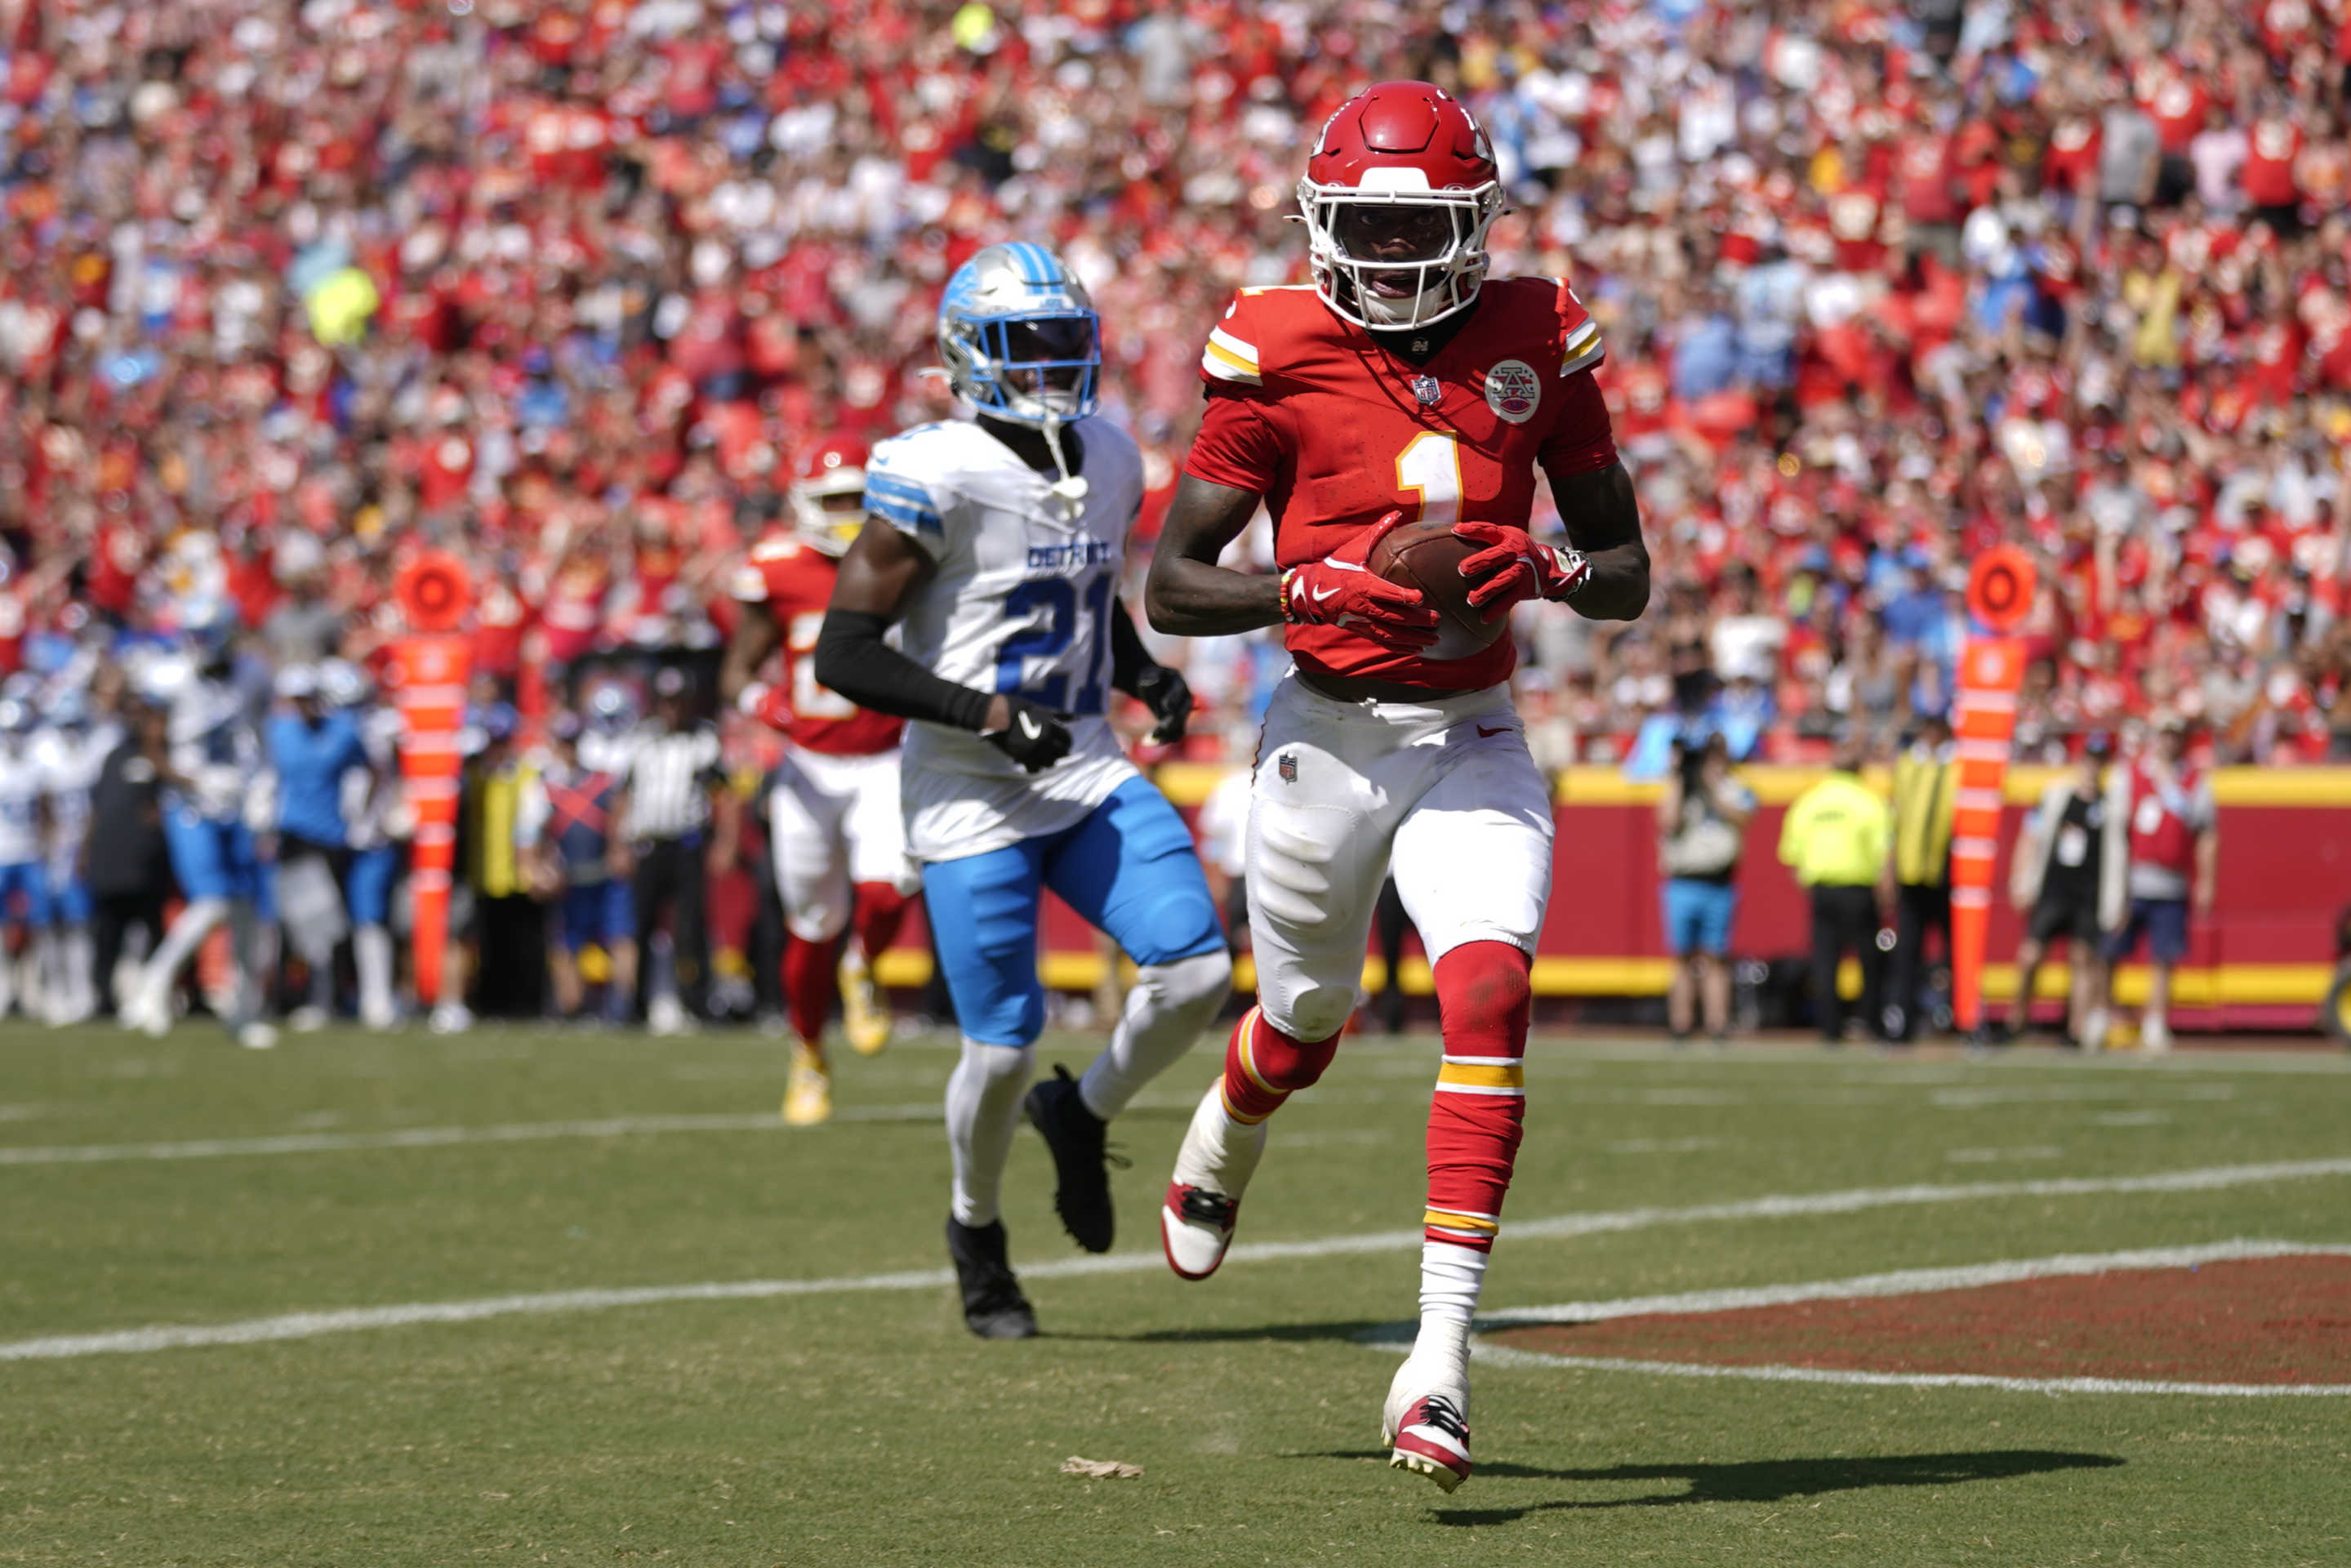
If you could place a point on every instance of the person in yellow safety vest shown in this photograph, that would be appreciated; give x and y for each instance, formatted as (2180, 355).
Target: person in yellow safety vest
(1835, 839)
(1917, 885)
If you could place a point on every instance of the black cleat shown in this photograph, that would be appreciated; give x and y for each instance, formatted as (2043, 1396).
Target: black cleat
(1080, 1152)
(993, 1306)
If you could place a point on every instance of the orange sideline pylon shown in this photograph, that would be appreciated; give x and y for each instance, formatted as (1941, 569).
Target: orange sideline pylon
(428, 679)
(1992, 668)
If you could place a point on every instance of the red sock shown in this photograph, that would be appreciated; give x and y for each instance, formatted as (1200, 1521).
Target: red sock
(1263, 1067)
(1482, 999)
(880, 909)
(808, 984)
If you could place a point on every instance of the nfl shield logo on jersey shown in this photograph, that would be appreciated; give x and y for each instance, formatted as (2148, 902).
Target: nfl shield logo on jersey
(1426, 389)
(1512, 391)
(1288, 768)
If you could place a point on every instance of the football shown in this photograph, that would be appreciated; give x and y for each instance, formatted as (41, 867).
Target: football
(1426, 555)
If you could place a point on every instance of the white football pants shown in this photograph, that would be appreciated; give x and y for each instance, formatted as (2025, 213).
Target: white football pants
(1444, 793)
(833, 822)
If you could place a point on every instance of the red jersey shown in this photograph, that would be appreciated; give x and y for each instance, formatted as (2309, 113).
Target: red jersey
(1335, 432)
(795, 583)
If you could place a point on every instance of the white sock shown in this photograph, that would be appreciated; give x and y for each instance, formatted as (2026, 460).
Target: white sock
(253, 962)
(45, 987)
(982, 1113)
(371, 951)
(1450, 1279)
(1166, 1011)
(187, 933)
(661, 984)
(80, 959)
(1219, 1154)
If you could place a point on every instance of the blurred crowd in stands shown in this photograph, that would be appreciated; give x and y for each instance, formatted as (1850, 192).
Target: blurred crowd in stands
(292, 289)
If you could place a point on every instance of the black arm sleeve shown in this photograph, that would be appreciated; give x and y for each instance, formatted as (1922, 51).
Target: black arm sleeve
(853, 659)
(1130, 661)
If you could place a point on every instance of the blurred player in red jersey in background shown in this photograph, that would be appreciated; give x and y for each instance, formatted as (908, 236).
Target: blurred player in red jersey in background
(1401, 382)
(834, 819)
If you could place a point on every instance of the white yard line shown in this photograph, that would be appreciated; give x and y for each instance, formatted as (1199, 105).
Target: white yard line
(1911, 1282)
(1499, 1356)
(309, 1325)
(441, 1137)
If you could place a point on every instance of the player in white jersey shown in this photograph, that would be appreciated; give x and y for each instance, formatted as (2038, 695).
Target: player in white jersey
(218, 790)
(372, 816)
(24, 884)
(71, 750)
(995, 546)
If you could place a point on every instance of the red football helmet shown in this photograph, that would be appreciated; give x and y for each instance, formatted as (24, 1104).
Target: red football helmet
(828, 493)
(1398, 195)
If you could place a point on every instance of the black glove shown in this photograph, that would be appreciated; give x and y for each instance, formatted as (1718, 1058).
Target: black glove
(1169, 697)
(1035, 737)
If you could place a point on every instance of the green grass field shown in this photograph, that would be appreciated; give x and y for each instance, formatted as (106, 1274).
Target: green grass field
(859, 1423)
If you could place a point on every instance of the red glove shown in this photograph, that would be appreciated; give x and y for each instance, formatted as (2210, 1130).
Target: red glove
(1340, 591)
(1514, 566)
(771, 705)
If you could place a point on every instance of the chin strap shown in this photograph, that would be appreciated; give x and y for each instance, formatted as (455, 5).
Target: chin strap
(1069, 486)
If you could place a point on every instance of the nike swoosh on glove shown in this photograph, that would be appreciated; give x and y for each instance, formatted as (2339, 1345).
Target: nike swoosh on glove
(1514, 566)
(1340, 591)
(1169, 697)
(1036, 738)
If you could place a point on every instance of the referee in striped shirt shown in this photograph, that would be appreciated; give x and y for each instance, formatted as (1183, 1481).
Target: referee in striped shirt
(680, 825)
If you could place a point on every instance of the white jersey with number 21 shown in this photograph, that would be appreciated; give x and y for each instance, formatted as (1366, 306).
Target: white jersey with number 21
(1020, 601)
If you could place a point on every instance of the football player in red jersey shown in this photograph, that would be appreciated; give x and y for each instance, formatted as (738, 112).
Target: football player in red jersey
(1401, 384)
(833, 815)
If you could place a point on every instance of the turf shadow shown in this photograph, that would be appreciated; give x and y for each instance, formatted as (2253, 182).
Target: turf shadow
(1765, 1480)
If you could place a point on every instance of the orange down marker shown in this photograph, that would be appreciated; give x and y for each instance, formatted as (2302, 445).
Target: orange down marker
(1992, 668)
(428, 673)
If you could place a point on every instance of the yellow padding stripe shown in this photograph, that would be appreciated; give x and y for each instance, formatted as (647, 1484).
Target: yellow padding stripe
(1475, 1223)
(1511, 1077)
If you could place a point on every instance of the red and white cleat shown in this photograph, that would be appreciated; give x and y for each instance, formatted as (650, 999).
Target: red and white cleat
(1427, 1429)
(1212, 1166)
(1195, 1226)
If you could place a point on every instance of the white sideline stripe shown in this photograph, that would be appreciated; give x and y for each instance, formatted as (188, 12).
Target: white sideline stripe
(441, 1137)
(1909, 1281)
(1770, 1374)
(308, 1325)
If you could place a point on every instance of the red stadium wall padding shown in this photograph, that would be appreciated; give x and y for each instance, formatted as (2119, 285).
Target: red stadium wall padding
(2260, 961)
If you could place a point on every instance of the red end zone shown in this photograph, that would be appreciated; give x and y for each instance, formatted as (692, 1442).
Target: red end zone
(2282, 1320)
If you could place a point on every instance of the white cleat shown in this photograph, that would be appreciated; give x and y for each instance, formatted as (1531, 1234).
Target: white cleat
(150, 1014)
(666, 1016)
(257, 1036)
(1212, 1167)
(308, 1020)
(2155, 1037)
(452, 1018)
(379, 1020)
(1426, 1423)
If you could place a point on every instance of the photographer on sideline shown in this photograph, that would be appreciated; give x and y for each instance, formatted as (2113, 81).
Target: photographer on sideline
(1701, 831)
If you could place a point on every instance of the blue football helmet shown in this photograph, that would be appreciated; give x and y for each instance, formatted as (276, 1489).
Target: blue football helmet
(1019, 336)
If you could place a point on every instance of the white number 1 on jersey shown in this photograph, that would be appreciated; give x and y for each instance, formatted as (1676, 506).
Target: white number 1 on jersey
(808, 699)
(1430, 466)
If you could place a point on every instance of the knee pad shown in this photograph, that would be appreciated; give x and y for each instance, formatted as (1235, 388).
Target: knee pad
(1275, 1061)
(1315, 1013)
(990, 1065)
(1198, 981)
(1484, 996)
(819, 923)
